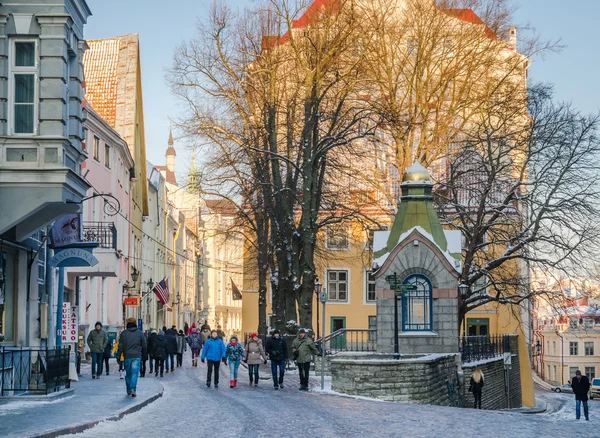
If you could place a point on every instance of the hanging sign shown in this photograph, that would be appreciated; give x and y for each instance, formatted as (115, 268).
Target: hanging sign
(69, 329)
(132, 301)
(72, 257)
(67, 230)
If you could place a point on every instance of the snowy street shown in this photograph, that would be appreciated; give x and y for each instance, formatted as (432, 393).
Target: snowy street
(189, 408)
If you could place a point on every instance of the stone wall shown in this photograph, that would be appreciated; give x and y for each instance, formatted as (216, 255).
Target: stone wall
(494, 394)
(412, 379)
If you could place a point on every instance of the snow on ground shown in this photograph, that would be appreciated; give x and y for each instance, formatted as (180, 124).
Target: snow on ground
(188, 408)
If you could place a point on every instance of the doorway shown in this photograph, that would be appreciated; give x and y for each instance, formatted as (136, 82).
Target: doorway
(338, 323)
(478, 326)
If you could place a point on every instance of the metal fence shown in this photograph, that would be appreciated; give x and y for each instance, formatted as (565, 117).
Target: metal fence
(473, 348)
(33, 371)
(359, 340)
(104, 233)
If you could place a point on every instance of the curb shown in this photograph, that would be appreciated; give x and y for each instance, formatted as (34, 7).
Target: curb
(47, 398)
(78, 428)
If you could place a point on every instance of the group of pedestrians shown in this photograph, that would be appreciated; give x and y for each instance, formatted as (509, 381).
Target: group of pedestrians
(165, 350)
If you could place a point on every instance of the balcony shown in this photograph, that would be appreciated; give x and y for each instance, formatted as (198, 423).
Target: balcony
(103, 233)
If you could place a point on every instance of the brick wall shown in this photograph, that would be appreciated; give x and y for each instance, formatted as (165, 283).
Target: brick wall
(494, 394)
(411, 379)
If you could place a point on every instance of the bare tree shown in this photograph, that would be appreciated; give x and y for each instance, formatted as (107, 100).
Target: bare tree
(524, 192)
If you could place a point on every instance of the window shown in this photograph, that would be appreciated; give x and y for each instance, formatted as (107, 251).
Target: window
(555, 375)
(417, 304)
(554, 348)
(337, 285)
(573, 323)
(372, 326)
(369, 285)
(337, 237)
(572, 371)
(370, 235)
(589, 348)
(590, 372)
(588, 323)
(573, 348)
(547, 347)
(412, 46)
(548, 375)
(96, 148)
(23, 89)
(107, 155)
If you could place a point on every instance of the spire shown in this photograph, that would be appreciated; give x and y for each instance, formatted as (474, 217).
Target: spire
(170, 142)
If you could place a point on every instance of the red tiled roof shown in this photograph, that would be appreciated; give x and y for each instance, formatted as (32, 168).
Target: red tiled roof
(470, 16)
(222, 206)
(169, 176)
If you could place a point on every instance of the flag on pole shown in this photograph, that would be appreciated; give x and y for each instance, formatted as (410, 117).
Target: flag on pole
(235, 292)
(162, 291)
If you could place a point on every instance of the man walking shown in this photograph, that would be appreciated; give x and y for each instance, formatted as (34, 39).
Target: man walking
(581, 387)
(214, 351)
(97, 340)
(303, 348)
(277, 352)
(171, 349)
(132, 344)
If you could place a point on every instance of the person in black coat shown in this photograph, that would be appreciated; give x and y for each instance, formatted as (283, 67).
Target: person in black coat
(476, 386)
(171, 350)
(107, 354)
(151, 340)
(159, 353)
(277, 351)
(581, 386)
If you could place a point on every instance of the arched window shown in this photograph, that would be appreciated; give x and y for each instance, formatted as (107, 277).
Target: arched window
(417, 305)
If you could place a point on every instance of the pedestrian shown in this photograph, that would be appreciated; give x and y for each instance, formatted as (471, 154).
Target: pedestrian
(205, 326)
(151, 340)
(303, 348)
(278, 354)
(97, 340)
(189, 331)
(181, 347)
(476, 387)
(107, 354)
(255, 354)
(220, 333)
(195, 342)
(581, 386)
(235, 353)
(214, 352)
(159, 353)
(186, 328)
(171, 350)
(132, 345)
(144, 358)
(205, 334)
(120, 360)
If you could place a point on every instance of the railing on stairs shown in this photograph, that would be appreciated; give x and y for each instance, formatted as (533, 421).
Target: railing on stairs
(356, 340)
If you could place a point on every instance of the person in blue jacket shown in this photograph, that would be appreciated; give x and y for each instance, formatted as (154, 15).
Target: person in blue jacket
(213, 351)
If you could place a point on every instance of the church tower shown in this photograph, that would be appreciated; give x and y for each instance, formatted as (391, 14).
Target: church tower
(170, 155)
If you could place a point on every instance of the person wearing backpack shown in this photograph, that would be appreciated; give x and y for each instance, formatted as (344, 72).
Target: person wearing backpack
(195, 342)
(235, 353)
(278, 354)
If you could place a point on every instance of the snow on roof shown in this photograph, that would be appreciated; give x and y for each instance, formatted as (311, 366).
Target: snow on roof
(378, 262)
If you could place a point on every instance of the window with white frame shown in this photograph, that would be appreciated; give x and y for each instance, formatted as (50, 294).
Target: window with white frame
(573, 348)
(548, 376)
(573, 323)
(106, 155)
(337, 237)
(555, 374)
(96, 149)
(554, 348)
(369, 285)
(337, 284)
(588, 323)
(23, 92)
(590, 372)
(372, 326)
(572, 371)
(589, 348)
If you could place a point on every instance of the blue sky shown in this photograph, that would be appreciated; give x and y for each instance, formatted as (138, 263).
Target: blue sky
(163, 25)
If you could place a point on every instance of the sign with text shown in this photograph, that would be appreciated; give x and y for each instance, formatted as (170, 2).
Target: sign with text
(67, 230)
(69, 330)
(132, 301)
(72, 257)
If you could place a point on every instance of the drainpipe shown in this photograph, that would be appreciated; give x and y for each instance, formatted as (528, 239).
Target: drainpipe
(543, 365)
(562, 358)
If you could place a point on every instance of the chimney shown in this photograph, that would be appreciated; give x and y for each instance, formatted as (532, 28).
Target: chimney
(512, 39)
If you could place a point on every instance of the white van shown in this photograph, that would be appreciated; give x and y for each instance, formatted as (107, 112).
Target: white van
(595, 390)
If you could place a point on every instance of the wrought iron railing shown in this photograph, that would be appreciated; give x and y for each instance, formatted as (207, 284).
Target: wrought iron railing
(359, 340)
(474, 348)
(104, 233)
(33, 371)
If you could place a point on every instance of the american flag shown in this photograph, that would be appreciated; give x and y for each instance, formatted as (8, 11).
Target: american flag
(162, 291)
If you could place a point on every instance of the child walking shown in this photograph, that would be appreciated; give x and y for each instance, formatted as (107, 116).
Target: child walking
(235, 353)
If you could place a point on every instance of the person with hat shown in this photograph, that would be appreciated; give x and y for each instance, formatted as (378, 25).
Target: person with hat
(97, 340)
(214, 352)
(581, 386)
(159, 353)
(278, 354)
(195, 341)
(132, 344)
(303, 348)
(235, 353)
(255, 354)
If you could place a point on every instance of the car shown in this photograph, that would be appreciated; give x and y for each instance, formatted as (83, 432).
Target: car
(595, 390)
(563, 388)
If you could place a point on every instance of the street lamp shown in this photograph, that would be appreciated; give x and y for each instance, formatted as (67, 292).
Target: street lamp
(538, 347)
(135, 275)
(318, 287)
